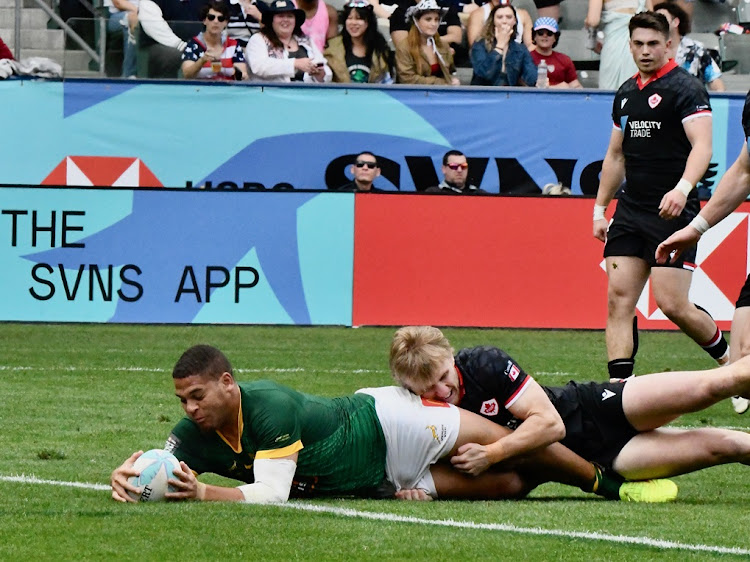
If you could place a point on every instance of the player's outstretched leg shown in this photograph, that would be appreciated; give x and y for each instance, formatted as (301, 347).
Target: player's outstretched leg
(740, 344)
(650, 401)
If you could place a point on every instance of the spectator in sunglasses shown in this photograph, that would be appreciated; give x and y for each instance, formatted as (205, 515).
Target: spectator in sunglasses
(424, 58)
(281, 52)
(455, 176)
(360, 53)
(212, 54)
(561, 72)
(497, 59)
(365, 169)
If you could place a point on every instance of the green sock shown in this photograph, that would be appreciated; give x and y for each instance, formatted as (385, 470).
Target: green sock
(605, 485)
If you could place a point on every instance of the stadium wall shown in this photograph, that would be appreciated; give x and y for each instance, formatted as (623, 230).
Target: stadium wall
(317, 258)
(233, 253)
(130, 133)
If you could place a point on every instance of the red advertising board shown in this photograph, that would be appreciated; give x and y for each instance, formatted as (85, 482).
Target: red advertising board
(527, 262)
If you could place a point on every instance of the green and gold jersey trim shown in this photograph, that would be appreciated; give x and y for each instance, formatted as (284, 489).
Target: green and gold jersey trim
(240, 428)
(280, 453)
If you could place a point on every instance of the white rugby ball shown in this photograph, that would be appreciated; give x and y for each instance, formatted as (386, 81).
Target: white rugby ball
(156, 467)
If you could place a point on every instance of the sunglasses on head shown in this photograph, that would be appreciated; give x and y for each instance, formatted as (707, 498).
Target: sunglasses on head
(544, 32)
(461, 166)
(362, 163)
(212, 17)
(357, 4)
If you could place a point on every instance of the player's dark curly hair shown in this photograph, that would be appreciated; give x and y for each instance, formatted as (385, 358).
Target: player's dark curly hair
(203, 360)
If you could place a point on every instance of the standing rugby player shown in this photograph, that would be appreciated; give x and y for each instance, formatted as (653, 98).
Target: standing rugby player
(661, 147)
(733, 189)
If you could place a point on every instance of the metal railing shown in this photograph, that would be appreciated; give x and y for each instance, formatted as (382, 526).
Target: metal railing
(96, 55)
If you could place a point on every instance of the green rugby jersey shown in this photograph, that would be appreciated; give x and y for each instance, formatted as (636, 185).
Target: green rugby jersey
(340, 442)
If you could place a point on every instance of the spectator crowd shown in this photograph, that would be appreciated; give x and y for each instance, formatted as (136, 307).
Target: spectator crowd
(311, 41)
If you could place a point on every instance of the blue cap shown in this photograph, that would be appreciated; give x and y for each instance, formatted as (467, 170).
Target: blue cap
(546, 23)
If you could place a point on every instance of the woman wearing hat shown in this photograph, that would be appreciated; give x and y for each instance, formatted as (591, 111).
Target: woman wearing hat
(281, 52)
(360, 53)
(423, 58)
(212, 54)
(497, 59)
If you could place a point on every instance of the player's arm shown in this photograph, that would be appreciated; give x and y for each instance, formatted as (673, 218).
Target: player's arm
(541, 426)
(273, 482)
(698, 131)
(613, 173)
(732, 190)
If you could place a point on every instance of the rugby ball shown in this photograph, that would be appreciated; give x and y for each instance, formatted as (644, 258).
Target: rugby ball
(156, 467)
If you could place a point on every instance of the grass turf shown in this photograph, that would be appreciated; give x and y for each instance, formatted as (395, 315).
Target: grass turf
(78, 399)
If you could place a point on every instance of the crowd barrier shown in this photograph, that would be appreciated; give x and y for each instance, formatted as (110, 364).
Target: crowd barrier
(250, 136)
(320, 258)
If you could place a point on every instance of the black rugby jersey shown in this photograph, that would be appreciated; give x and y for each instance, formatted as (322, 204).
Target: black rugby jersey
(491, 381)
(651, 116)
(746, 119)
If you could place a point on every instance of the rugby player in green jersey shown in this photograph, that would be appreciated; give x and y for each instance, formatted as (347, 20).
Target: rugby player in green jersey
(379, 442)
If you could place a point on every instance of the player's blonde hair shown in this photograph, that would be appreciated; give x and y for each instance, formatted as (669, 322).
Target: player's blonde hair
(416, 351)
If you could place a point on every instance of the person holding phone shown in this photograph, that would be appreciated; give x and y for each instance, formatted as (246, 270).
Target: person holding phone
(281, 52)
(212, 54)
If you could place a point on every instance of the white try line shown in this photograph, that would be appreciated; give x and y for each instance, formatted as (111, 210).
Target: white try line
(391, 518)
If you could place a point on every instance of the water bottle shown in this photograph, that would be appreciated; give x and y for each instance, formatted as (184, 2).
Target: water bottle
(541, 71)
(590, 38)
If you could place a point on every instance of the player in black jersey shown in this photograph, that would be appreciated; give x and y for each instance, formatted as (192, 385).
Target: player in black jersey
(733, 189)
(661, 147)
(616, 424)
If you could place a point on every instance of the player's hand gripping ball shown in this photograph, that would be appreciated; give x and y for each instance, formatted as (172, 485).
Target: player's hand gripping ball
(156, 468)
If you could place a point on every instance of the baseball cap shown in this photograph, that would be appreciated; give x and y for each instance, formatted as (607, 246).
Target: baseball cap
(547, 23)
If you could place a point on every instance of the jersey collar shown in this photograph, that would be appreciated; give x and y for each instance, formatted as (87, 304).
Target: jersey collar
(237, 448)
(671, 64)
(461, 388)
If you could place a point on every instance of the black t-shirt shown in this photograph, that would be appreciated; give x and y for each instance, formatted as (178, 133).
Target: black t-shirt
(654, 142)
(300, 53)
(358, 67)
(398, 18)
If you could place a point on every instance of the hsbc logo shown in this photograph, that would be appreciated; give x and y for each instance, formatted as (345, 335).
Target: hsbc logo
(721, 267)
(489, 408)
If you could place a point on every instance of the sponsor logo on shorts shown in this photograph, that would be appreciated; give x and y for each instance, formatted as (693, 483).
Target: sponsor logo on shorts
(654, 100)
(438, 434)
(512, 370)
(607, 393)
(489, 408)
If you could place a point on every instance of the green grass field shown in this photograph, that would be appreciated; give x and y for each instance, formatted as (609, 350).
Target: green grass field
(76, 400)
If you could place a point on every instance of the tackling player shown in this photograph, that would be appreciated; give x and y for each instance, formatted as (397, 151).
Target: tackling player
(372, 444)
(661, 146)
(617, 424)
(732, 190)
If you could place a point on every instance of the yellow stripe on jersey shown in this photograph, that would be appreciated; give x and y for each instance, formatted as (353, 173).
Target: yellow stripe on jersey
(280, 453)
